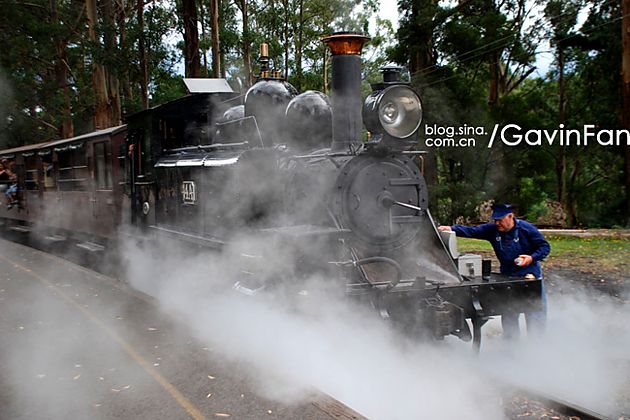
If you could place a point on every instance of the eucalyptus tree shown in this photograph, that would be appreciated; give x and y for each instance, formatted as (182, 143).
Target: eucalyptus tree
(43, 47)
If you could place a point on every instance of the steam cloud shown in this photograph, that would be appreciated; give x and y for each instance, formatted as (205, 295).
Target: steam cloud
(583, 356)
(320, 340)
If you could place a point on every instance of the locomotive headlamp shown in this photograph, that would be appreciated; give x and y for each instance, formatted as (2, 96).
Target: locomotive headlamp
(395, 110)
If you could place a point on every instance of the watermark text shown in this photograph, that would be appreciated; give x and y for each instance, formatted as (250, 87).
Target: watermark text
(514, 135)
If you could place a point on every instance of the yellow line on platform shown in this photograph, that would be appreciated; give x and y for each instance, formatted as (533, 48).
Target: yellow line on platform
(170, 388)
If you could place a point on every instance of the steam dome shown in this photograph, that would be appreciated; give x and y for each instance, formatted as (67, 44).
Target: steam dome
(267, 101)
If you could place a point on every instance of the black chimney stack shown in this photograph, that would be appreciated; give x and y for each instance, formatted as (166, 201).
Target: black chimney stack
(346, 89)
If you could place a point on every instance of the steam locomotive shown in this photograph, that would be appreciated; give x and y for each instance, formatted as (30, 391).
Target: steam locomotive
(290, 172)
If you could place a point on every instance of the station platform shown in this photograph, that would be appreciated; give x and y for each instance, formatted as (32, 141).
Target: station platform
(80, 345)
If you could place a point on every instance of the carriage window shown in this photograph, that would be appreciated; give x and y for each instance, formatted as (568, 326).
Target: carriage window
(73, 170)
(31, 179)
(102, 167)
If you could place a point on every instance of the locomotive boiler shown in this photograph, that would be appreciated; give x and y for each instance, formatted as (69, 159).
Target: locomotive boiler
(274, 175)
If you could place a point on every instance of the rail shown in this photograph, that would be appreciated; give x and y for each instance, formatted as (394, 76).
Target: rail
(553, 406)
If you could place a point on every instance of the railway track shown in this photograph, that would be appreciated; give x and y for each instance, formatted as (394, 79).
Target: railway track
(336, 409)
(528, 404)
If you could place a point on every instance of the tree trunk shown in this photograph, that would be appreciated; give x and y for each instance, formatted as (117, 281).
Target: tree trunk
(561, 87)
(204, 50)
(627, 172)
(125, 78)
(144, 68)
(561, 175)
(571, 205)
(421, 52)
(111, 71)
(564, 197)
(625, 89)
(66, 128)
(298, 48)
(247, 49)
(286, 41)
(214, 35)
(325, 66)
(192, 63)
(423, 58)
(494, 57)
(99, 82)
(493, 84)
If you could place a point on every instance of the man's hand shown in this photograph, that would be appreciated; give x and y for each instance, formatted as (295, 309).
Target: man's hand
(524, 260)
(445, 229)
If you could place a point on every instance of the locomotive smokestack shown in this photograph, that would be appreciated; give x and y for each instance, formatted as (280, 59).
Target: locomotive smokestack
(346, 88)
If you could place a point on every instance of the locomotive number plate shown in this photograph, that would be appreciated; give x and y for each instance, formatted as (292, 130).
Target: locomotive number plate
(189, 195)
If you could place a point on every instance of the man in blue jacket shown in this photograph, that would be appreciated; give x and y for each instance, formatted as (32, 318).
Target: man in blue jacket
(520, 247)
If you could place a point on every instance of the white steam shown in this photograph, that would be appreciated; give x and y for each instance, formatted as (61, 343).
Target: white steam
(583, 356)
(321, 340)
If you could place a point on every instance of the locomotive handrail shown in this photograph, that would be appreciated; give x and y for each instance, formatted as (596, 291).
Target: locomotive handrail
(208, 146)
(342, 154)
(67, 168)
(72, 180)
(322, 155)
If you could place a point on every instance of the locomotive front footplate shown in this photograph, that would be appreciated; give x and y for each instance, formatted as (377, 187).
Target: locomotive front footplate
(441, 309)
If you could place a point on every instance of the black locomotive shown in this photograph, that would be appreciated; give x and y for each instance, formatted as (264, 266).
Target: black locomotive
(293, 174)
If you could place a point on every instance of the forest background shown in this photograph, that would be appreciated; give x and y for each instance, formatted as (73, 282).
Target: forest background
(71, 66)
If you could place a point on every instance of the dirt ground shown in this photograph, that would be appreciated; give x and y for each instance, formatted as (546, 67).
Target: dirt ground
(564, 280)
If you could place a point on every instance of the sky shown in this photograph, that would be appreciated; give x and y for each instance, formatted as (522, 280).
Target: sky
(389, 10)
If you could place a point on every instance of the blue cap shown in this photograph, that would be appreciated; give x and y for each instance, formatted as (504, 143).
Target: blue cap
(499, 211)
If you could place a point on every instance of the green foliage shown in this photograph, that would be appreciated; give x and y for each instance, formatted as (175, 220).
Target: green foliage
(460, 44)
(471, 61)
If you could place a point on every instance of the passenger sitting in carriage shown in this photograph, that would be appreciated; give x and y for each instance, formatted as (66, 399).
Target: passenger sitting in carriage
(8, 182)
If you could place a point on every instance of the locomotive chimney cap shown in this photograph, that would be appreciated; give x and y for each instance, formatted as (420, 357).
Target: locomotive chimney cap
(345, 43)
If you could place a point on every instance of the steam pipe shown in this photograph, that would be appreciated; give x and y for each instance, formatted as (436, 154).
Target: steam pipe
(346, 89)
(393, 263)
(359, 263)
